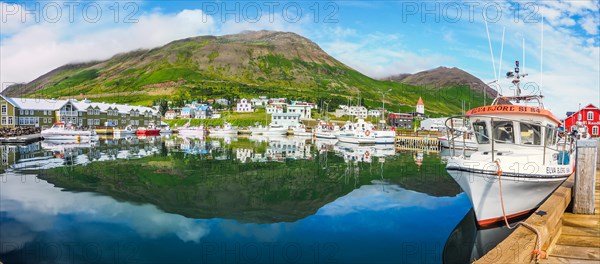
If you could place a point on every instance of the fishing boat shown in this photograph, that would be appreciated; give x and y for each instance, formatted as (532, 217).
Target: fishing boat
(519, 161)
(166, 130)
(63, 131)
(356, 133)
(363, 132)
(325, 130)
(121, 132)
(189, 131)
(148, 131)
(300, 131)
(226, 129)
(268, 130)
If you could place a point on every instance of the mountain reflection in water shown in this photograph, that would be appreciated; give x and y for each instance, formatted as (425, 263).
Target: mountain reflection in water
(233, 200)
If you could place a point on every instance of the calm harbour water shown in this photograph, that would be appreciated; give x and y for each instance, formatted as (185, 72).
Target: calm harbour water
(240, 200)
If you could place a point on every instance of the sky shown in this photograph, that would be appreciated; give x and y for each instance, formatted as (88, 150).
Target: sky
(378, 38)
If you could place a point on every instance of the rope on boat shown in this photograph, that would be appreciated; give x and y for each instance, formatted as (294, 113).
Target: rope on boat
(537, 252)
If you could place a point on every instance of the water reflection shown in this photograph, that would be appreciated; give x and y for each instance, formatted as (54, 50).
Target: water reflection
(260, 199)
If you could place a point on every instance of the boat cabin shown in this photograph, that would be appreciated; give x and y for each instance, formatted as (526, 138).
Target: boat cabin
(503, 125)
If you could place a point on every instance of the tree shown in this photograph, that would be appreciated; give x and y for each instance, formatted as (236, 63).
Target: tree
(163, 106)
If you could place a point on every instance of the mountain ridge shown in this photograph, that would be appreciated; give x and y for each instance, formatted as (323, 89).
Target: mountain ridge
(252, 63)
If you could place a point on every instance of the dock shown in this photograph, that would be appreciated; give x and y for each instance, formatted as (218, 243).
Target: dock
(25, 139)
(565, 237)
(417, 143)
(578, 239)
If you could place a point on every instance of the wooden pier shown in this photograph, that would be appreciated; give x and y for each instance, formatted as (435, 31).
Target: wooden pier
(417, 143)
(565, 237)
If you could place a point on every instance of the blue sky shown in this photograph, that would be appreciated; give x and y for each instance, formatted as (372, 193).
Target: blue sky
(378, 38)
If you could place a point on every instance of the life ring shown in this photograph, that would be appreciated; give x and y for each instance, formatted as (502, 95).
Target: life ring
(367, 154)
(367, 133)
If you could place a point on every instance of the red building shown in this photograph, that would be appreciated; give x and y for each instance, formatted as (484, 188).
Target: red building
(589, 116)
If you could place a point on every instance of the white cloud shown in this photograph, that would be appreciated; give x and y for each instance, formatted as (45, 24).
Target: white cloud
(380, 55)
(38, 204)
(383, 197)
(590, 24)
(39, 48)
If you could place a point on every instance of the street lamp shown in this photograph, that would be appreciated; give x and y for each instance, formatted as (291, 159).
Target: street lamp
(383, 101)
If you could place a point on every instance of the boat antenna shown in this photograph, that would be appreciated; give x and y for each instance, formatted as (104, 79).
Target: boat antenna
(490, 43)
(542, 55)
(523, 54)
(501, 51)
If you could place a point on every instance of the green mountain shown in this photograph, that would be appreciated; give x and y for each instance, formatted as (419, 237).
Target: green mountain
(276, 64)
(443, 77)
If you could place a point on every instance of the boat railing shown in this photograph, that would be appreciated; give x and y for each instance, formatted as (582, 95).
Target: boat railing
(562, 141)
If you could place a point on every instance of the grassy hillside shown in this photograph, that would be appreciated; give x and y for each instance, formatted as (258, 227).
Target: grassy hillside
(276, 64)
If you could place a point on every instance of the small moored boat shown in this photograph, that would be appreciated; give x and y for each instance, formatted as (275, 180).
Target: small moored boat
(62, 131)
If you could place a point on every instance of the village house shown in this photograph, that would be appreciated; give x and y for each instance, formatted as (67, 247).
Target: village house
(400, 120)
(243, 106)
(203, 112)
(588, 116)
(222, 101)
(278, 101)
(187, 112)
(303, 109)
(274, 109)
(44, 112)
(375, 112)
(259, 102)
(285, 120)
(170, 115)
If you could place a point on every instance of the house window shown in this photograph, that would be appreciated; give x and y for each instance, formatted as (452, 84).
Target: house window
(89, 112)
(89, 122)
(579, 117)
(3, 120)
(10, 120)
(20, 112)
(97, 122)
(4, 110)
(595, 130)
(590, 115)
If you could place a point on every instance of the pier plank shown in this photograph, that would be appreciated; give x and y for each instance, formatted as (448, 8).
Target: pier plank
(553, 259)
(581, 241)
(581, 231)
(575, 252)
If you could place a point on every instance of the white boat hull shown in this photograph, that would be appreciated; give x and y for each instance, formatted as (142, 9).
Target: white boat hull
(302, 134)
(326, 135)
(385, 137)
(356, 140)
(223, 132)
(522, 193)
(459, 144)
(275, 132)
(123, 132)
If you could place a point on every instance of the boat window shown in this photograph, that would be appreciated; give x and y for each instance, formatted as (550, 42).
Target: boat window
(481, 133)
(503, 131)
(550, 135)
(530, 134)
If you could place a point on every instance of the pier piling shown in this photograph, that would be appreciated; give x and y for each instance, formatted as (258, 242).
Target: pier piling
(585, 176)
